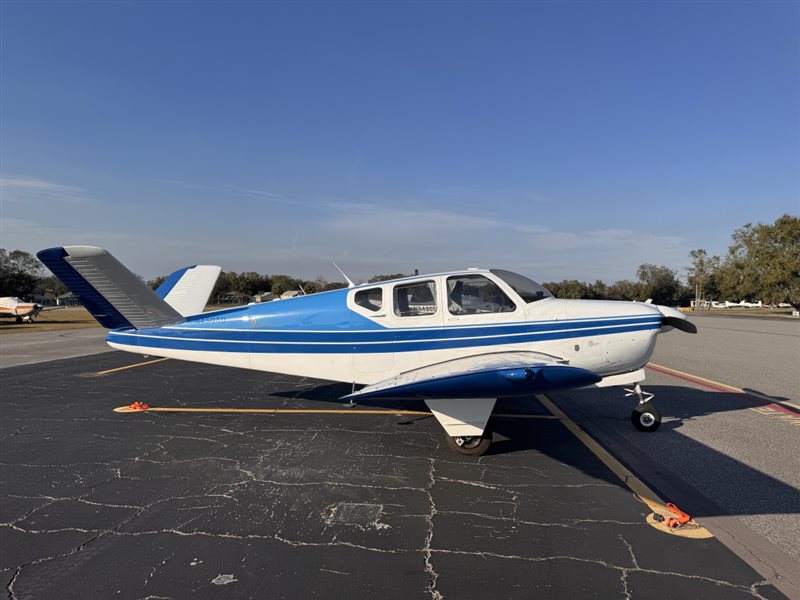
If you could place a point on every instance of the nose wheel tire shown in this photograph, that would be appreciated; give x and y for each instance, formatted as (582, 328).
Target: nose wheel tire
(471, 445)
(645, 417)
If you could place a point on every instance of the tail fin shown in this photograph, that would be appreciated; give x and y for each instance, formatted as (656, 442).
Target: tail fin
(115, 296)
(187, 290)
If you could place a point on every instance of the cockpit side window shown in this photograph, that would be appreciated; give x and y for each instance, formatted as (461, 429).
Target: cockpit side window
(415, 299)
(528, 290)
(476, 294)
(371, 299)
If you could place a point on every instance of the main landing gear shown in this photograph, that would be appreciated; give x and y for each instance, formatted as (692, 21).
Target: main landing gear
(465, 422)
(471, 445)
(645, 417)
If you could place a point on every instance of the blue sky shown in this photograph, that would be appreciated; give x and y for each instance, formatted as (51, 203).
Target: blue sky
(561, 140)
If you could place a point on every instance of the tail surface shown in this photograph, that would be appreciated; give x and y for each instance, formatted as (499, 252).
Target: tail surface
(115, 296)
(187, 290)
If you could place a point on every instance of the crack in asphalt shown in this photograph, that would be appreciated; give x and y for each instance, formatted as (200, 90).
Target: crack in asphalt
(241, 481)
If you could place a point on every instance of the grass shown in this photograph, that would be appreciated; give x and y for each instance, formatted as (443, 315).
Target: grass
(74, 317)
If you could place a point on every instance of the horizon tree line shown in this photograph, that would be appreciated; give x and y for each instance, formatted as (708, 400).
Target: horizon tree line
(762, 263)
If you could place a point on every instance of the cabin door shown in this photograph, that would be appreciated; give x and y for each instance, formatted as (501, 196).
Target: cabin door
(477, 313)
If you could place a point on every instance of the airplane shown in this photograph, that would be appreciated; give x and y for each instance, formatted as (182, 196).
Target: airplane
(457, 340)
(751, 304)
(14, 308)
(743, 304)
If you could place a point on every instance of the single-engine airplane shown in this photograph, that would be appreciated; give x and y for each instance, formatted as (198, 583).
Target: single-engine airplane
(13, 308)
(456, 340)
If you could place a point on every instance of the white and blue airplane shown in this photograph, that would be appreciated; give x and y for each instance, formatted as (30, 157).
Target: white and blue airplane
(457, 340)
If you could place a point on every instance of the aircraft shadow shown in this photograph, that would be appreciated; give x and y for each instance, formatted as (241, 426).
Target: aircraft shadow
(747, 491)
(722, 479)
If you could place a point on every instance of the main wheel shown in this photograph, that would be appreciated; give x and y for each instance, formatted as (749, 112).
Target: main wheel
(471, 445)
(645, 417)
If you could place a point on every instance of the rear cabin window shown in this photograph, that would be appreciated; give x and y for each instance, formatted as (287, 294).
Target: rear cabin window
(371, 299)
(475, 294)
(415, 299)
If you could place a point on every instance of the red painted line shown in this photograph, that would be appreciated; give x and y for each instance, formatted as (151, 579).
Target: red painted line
(695, 381)
(750, 397)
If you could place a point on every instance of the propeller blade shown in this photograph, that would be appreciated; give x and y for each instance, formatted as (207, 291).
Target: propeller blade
(681, 324)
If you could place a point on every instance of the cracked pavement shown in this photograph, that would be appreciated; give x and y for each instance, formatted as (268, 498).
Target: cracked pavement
(163, 505)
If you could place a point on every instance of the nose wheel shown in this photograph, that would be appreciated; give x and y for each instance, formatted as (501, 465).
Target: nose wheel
(645, 417)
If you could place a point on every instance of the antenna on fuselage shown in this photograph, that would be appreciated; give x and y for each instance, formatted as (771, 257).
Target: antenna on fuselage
(349, 282)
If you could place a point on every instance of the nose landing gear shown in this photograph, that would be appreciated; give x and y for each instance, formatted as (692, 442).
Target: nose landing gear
(645, 417)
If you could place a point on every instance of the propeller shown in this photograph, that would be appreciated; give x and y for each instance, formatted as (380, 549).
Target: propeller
(679, 323)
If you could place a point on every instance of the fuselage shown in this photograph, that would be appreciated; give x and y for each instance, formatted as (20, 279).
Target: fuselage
(374, 331)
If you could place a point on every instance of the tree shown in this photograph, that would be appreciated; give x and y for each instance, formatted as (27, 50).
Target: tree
(227, 282)
(311, 287)
(154, 283)
(659, 283)
(53, 284)
(626, 290)
(763, 263)
(571, 288)
(251, 283)
(702, 274)
(284, 283)
(19, 273)
(599, 290)
(378, 278)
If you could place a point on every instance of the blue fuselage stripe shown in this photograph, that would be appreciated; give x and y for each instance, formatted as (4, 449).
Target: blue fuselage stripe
(369, 341)
(387, 334)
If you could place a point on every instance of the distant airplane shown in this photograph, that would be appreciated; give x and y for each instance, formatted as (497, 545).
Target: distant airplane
(741, 304)
(456, 340)
(751, 304)
(12, 307)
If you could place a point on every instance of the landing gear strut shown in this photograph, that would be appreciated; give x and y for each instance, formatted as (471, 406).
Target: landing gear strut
(645, 417)
(471, 445)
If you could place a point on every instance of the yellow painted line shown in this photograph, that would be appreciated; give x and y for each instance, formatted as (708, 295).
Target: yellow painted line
(310, 411)
(636, 485)
(149, 362)
(275, 411)
(733, 388)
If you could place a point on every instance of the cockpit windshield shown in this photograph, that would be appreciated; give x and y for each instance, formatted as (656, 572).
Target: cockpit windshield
(529, 290)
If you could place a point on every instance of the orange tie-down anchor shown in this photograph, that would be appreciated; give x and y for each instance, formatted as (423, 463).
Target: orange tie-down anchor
(673, 522)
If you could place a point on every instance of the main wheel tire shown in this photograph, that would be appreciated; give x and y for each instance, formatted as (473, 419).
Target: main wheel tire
(645, 417)
(471, 445)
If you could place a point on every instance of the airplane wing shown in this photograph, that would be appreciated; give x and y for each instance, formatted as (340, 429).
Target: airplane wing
(492, 375)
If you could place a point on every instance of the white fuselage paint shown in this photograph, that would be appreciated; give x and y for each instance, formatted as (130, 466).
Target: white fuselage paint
(604, 353)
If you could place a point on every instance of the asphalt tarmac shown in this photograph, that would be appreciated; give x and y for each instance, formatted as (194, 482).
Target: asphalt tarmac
(40, 346)
(100, 504)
